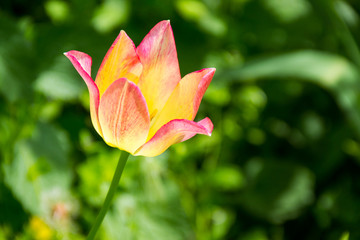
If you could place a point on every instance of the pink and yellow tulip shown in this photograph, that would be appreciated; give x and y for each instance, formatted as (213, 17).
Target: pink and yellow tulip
(139, 102)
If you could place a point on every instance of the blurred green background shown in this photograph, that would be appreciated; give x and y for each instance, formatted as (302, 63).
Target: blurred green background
(284, 158)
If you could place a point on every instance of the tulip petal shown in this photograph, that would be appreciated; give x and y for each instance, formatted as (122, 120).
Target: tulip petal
(161, 74)
(121, 61)
(175, 131)
(82, 63)
(186, 97)
(124, 116)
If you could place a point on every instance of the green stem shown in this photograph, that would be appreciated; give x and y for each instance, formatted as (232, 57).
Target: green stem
(114, 183)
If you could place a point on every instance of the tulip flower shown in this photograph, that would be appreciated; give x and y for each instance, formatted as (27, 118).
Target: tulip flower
(138, 102)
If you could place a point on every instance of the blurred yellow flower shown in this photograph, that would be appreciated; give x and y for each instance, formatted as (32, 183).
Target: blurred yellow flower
(40, 230)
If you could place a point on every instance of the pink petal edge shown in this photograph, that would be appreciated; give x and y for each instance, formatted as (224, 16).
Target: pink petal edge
(202, 87)
(161, 72)
(175, 131)
(82, 63)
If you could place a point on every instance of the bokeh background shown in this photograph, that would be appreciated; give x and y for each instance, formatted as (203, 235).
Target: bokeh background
(284, 158)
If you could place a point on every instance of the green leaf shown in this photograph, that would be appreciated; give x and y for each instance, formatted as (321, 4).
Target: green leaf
(95, 176)
(227, 178)
(345, 236)
(39, 175)
(139, 218)
(277, 190)
(16, 61)
(58, 83)
(57, 10)
(325, 69)
(332, 72)
(110, 14)
(148, 207)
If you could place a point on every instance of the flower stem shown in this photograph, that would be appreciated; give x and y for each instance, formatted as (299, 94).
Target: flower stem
(114, 183)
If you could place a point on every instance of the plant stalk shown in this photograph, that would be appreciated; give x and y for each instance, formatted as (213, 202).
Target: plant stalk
(105, 207)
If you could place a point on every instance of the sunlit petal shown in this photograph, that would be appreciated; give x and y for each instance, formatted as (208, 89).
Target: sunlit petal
(186, 97)
(123, 116)
(175, 131)
(121, 61)
(161, 74)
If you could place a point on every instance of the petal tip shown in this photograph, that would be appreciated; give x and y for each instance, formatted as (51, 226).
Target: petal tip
(71, 52)
(68, 54)
(211, 73)
(212, 70)
(206, 71)
(208, 125)
(165, 24)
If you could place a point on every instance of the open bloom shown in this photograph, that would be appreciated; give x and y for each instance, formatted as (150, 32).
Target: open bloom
(139, 102)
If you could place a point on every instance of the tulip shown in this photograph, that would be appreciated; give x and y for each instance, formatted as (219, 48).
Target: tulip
(138, 102)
